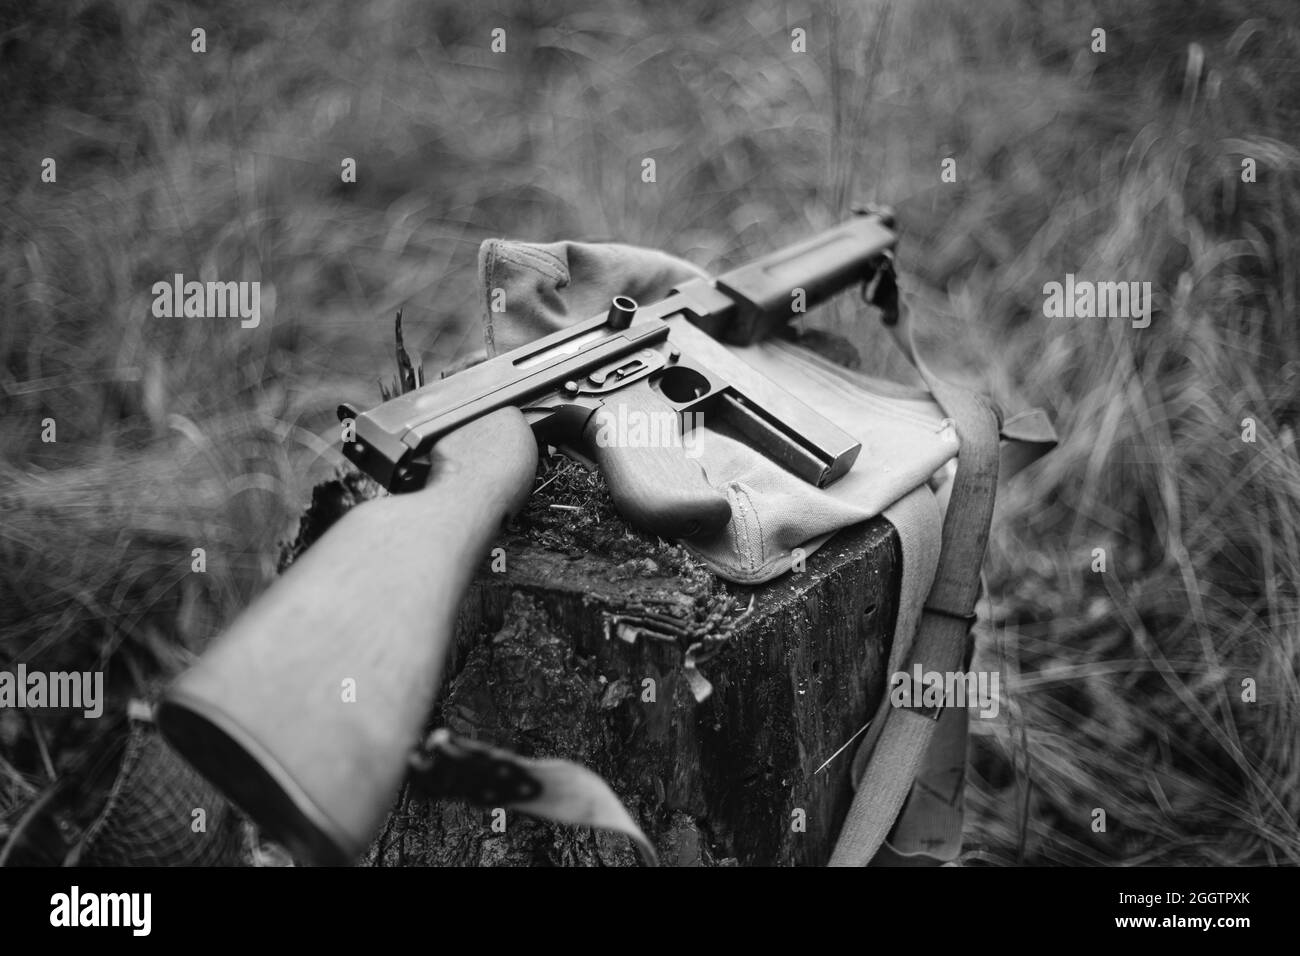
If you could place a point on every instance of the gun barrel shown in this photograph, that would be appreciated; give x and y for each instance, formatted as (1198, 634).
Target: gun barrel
(776, 287)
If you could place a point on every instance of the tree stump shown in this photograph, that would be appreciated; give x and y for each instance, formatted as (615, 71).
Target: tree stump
(573, 643)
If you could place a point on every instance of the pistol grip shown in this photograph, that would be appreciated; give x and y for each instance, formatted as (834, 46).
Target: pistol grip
(636, 439)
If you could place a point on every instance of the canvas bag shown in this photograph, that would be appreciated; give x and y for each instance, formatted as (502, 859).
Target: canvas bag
(905, 437)
(905, 471)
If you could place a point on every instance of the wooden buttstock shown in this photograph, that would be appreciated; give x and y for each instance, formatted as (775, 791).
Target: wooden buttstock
(304, 712)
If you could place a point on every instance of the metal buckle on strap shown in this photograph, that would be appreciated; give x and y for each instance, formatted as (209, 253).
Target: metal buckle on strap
(930, 713)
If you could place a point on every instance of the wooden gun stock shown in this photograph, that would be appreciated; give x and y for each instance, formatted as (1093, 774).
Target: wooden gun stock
(305, 711)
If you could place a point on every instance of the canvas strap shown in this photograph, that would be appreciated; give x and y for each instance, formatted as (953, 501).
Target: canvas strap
(894, 753)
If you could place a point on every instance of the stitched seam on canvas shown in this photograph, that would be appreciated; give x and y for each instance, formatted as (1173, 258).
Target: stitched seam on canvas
(550, 265)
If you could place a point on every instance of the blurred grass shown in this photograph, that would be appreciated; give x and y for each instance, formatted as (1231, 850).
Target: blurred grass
(1123, 689)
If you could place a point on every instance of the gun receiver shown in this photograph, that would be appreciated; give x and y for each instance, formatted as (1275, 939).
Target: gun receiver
(648, 365)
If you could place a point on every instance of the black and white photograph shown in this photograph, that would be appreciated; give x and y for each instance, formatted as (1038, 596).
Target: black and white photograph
(713, 434)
